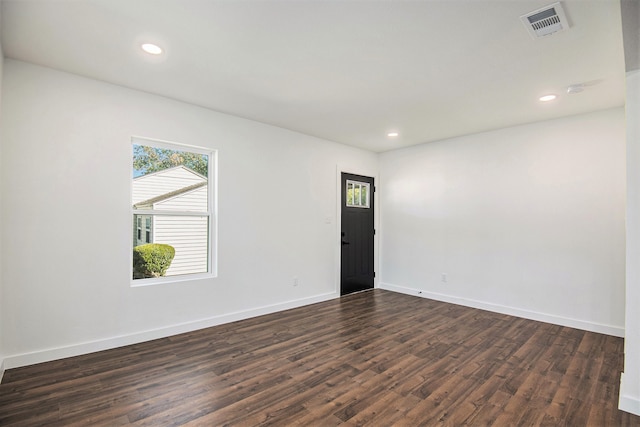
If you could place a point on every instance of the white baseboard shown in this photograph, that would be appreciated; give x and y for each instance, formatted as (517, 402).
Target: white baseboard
(627, 402)
(616, 331)
(47, 355)
(32, 358)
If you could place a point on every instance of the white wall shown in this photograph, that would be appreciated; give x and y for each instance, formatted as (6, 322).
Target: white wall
(527, 220)
(2, 352)
(630, 384)
(66, 183)
(630, 380)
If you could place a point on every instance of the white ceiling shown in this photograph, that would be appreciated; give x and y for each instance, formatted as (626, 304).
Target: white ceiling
(345, 71)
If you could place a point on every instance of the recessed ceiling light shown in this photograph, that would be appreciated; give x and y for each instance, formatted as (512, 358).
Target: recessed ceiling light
(547, 98)
(393, 134)
(152, 49)
(576, 88)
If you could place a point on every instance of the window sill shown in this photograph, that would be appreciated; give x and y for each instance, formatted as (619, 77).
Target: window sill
(171, 279)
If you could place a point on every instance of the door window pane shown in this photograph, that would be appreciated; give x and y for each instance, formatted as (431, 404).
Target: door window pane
(357, 194)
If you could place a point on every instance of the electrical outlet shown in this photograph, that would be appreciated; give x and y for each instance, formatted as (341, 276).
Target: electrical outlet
(443, 278)
(295, 281)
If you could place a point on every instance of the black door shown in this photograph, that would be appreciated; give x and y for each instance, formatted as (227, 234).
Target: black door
(356, 267)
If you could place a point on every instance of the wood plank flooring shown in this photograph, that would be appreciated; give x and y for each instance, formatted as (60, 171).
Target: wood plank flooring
(375, 358)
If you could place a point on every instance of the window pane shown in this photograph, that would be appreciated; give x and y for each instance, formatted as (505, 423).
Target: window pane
(188, 235)
(364, 201)
(356, 196)
(165, 179)
(349, 193)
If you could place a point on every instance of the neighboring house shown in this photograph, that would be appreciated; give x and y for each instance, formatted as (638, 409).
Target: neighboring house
(177, 189)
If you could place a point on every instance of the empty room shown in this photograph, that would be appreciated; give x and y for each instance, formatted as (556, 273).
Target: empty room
(318, 213)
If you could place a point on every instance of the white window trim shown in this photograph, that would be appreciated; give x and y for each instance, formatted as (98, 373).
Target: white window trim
(212, 213)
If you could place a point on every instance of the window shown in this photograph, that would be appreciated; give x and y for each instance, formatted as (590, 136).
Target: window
(172, 204)
(357, 194)
(143, 233)
(148, 229)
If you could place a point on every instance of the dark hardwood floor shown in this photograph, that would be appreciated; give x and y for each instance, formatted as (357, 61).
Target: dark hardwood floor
(376, 358)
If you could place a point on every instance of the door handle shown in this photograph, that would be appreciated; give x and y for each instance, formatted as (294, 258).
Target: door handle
(344, 242)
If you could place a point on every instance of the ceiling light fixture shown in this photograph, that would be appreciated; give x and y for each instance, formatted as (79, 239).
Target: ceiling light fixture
(152, 49)
(392, 134)
(576, 88)
(547, 98)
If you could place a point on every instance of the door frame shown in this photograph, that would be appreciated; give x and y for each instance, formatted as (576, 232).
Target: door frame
(376, 221)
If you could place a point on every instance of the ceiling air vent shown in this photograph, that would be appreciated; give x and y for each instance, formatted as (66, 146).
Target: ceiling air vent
(546, 21)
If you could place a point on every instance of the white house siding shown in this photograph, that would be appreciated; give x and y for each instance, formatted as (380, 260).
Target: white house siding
(193, 201)
(187, 234)
(153, 185)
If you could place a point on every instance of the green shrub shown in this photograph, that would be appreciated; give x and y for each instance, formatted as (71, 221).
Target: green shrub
(152, 260)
